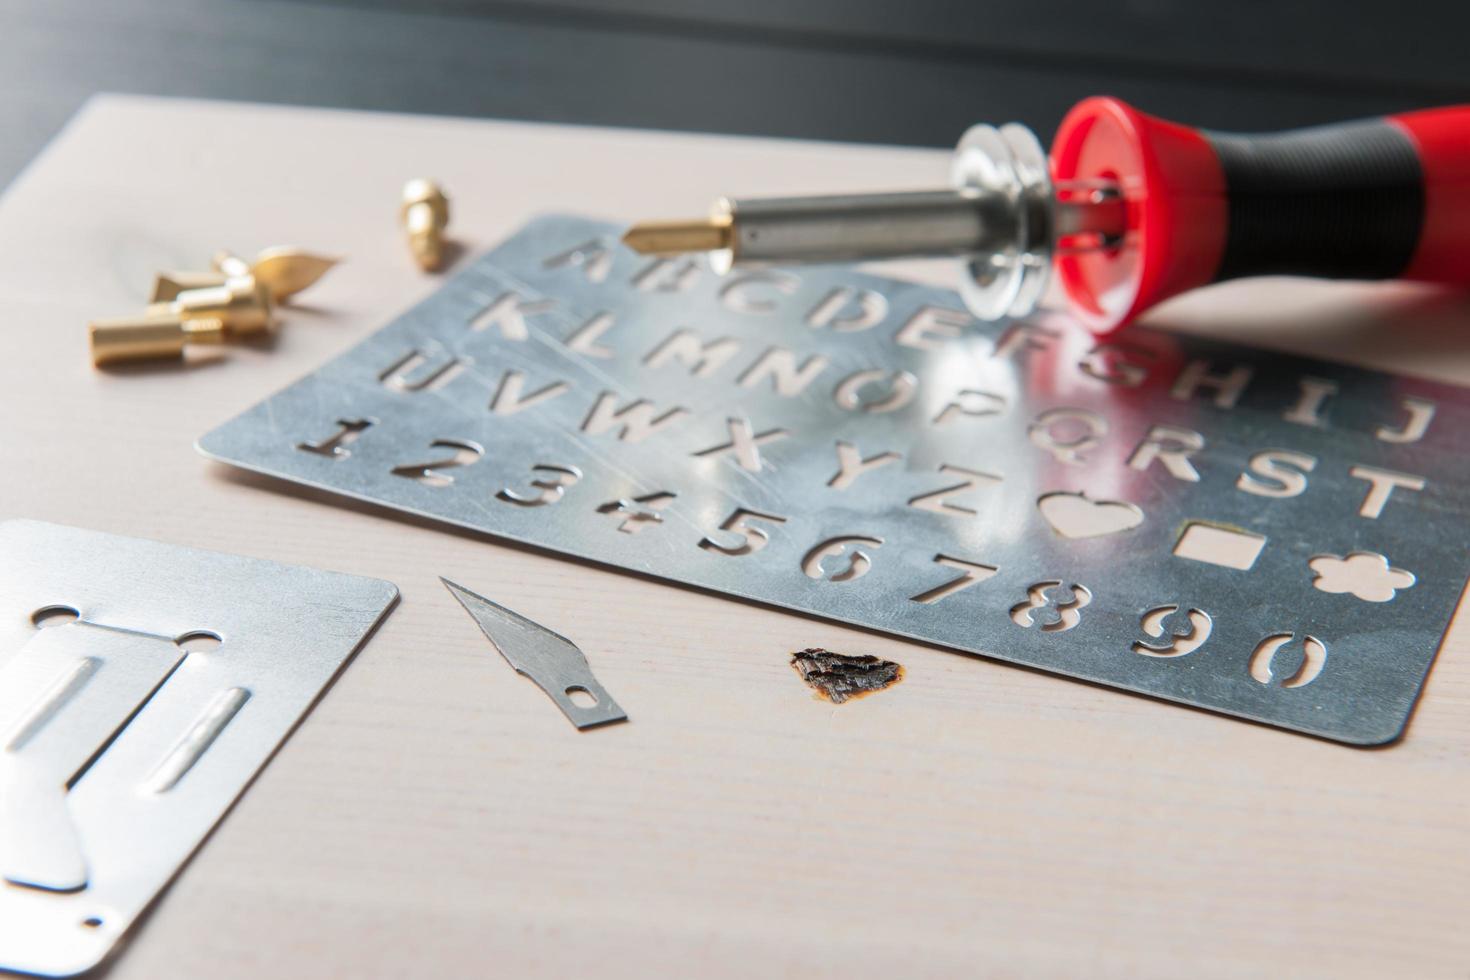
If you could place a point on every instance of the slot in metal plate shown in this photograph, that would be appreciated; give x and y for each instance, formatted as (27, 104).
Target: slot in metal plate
(119, 748)
(1275, 538)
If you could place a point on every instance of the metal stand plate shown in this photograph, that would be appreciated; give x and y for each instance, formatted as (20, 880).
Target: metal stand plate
(142, 686)
(1275, 538)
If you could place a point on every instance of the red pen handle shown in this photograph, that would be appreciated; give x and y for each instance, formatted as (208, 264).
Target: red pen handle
(1384, 198)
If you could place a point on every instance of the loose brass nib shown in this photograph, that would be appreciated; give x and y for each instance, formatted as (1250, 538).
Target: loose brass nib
(425, 215)
(284, 271)
(234, 300)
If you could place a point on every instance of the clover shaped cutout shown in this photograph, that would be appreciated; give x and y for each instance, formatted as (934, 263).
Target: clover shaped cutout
(1365, 574)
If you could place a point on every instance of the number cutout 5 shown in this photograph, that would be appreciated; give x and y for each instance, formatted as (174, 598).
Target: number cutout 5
(752, 538)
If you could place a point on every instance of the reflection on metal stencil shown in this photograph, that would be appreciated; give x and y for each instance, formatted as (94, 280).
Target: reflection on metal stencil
(142, 686)
(860, 448)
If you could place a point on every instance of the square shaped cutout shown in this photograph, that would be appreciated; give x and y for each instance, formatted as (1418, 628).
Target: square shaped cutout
(1219, 545)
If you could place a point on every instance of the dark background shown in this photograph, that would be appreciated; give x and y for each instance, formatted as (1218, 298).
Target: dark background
(915, 72)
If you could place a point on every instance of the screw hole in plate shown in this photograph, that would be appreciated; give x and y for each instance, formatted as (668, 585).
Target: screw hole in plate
(582, 697)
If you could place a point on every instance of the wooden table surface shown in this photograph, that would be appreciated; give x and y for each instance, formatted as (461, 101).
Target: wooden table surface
(436, 816)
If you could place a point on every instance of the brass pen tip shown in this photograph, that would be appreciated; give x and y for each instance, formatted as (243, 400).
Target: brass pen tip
(287, 271)
(678, 237)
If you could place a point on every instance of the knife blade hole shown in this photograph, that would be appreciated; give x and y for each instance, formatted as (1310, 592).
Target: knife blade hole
(54, 616)
(199, 641)
(582, 697)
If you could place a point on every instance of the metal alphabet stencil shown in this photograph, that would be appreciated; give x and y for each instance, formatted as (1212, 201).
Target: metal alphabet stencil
(1276, 538)
(142, 686)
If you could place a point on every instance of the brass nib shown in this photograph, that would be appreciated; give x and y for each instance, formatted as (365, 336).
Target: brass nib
(678, 237)
(284, 271)
(235, 300)
(425, 215)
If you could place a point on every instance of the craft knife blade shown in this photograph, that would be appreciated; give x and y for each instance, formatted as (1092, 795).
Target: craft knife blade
(553, 662)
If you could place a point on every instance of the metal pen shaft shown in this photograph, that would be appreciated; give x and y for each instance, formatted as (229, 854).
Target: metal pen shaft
(859, 227)
(866, 227)
(1003, 217)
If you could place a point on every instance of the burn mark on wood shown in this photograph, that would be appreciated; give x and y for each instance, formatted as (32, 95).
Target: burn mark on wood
(838, 677)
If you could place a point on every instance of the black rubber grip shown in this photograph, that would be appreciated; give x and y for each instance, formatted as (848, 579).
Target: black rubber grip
(1338, 202)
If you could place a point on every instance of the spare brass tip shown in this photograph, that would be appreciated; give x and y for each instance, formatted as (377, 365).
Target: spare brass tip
(283, 270)
(425, 215)
(286, 271)
(668, 238)
(233, 301)
(151, 336)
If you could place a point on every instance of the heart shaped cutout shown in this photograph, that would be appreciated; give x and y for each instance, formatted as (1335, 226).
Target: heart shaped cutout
(1075, 515)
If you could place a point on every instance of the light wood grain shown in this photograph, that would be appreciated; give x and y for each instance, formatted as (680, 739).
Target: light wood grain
(437, 816)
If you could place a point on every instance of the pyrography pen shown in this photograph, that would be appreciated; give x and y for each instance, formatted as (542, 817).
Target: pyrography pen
(1131, 210)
